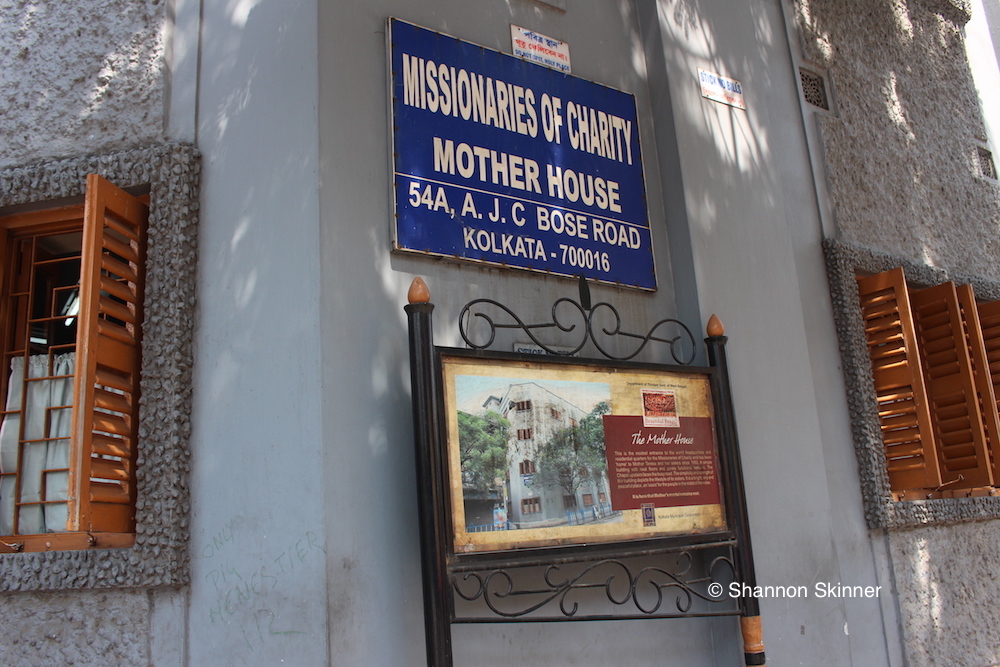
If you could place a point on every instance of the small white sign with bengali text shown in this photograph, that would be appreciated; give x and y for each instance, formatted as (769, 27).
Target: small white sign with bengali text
(538, 48)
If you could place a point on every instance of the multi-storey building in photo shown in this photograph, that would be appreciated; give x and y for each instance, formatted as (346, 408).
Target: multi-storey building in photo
(536, 500)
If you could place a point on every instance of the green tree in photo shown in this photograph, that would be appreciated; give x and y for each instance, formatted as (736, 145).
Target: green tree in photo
(483, 450)
(575, 455)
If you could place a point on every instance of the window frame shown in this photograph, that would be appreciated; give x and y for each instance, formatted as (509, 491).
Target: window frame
(932, 375)
(100, 490)
(843, 262)
(170, 172)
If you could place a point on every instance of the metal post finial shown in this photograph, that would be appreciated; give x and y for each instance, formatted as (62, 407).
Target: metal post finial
(715, 327)
(419, 293)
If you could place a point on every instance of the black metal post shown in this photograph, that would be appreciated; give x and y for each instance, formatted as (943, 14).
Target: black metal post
(438, 600)
(753, 645)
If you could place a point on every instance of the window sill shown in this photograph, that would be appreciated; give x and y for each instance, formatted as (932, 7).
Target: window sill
(76, 541)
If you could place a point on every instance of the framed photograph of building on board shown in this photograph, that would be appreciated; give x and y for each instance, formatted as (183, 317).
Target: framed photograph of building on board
(545, 453)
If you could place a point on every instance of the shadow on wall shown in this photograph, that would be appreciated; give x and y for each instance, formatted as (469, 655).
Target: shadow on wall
(739, 137)
(902, 155)
(366, 396)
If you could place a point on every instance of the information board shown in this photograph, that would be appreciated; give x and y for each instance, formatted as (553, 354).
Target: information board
(506, 162)
(577, 453)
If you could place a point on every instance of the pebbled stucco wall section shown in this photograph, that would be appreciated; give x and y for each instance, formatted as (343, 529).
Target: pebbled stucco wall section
(901, 152)
(79, 77)
(947, 581)
(81, 629)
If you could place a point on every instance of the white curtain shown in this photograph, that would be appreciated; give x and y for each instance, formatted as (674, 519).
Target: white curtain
(45, 419)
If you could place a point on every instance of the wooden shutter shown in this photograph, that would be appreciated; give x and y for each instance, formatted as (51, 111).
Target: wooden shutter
(907, 433)
(989, 326)
(106, 391)
(951, 390)
(985, 394)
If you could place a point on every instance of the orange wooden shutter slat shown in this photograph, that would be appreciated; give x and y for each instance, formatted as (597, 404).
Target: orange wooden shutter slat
(117, 310)
(115, 354)
(110, 423)
(106, 492)
(116, 268)
(109, 400)
(116, 288)
(124, 227)
(120, 248)
(116, 331)
(109, 469)
(106, 445)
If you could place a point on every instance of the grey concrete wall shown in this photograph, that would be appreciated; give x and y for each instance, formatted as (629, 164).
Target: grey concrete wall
(373, 573)
(755, 237)
(80, 77)
(258, 545)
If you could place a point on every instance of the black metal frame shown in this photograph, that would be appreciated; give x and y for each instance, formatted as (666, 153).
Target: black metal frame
(523, 585)
(587, 313)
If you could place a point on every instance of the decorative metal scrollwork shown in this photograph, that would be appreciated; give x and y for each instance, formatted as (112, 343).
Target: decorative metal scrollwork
(499, 591)
(585, 315)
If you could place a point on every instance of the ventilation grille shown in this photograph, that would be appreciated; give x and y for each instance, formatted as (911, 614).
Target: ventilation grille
(986, 164)
(814, 89)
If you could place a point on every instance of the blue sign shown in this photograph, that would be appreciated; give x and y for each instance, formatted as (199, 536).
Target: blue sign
(510, 163)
